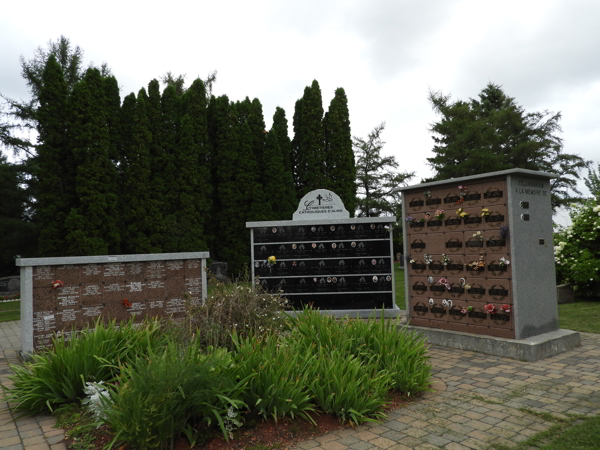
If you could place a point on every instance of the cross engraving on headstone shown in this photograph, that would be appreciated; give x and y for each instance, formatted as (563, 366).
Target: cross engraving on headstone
(319, 197)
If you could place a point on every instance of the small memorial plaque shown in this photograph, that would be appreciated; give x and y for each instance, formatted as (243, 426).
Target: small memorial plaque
(434, 201)
(417, 245)
(472, 220)
(437, 288)
(471, 197)
(477, 291)
(455, 312)
(497, 267)
(451, 222)
(417, 224)
(475, 243)
(494, 218)
(436, 266)
(477, 315)
(503, 317)
(455, 267)
(500, 292)
(419, 287)
(415, 203)
(452, 199)
(496, 242)
(454, 244)
(419, 266)
(434, 223)
(493, 194)
(421, 308)
(457, 290)
(438, 310)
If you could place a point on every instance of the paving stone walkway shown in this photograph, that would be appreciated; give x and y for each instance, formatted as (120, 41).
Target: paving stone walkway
(478, 400)
(29, 433)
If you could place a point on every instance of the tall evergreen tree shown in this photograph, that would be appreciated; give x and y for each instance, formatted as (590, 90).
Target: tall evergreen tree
(495, 133)
(309, 141)
(231, 207)
(53, 166)
(92, 224)
(287, 207)
(376, 177)
(280, 186)
(339, 156)
(137, 203)
(19, 235)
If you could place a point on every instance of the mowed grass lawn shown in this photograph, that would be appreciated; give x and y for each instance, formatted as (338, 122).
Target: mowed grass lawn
(580, 316)
(10, 311)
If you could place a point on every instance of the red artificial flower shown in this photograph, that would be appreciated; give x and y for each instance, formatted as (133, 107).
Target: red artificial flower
(506, 308)
(489, 308)
(57, 284)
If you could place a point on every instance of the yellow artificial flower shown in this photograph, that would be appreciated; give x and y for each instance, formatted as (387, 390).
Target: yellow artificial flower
(272, 259)
(485, 212)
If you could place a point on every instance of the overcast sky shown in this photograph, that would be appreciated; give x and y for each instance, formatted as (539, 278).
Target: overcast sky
(385, 54)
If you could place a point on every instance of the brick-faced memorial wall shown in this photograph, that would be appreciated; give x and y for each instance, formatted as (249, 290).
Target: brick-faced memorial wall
(59, 294)
(490, 271)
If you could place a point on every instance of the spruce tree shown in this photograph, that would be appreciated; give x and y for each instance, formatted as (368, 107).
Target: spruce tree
(92, 223)
(53, 165)
(309, 141)
(339, 156)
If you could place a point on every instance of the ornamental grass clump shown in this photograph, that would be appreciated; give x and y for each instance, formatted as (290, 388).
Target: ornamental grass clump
(58, 376)
(178, 390)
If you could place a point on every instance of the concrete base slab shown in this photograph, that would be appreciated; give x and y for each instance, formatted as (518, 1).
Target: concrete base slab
(530, 349)
(391, 313)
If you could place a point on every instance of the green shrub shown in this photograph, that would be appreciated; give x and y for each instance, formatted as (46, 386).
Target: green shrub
(231, 307)
(160, 396)
(577, 250)
(58, 376)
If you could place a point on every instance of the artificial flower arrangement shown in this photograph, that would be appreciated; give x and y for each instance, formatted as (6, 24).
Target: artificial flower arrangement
(485, 212)
(504, 261)
(410, 220)
(489, 308)
(460, 212)
(447, 259)
(505, 308)
(428, 258)
(271, 260)
(478, 235)
(439, 214)
(477, 265)
(57, 284)
(463, 191)
(427, 194)
(466, 310)
(444, 282)
(503, 231)
(126, 303)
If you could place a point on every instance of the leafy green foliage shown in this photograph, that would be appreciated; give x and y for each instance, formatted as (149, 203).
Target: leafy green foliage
(495, 133)
(577, 250)
(156, 397)
(376, 177)
(58, 376)
(592, 182)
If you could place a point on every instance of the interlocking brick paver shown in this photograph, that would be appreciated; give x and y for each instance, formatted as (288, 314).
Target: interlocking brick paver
(333, 445)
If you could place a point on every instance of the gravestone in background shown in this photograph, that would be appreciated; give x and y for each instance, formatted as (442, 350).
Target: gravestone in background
(219, 270)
